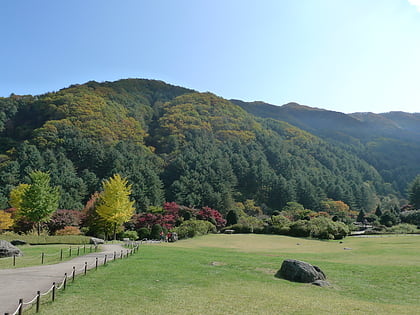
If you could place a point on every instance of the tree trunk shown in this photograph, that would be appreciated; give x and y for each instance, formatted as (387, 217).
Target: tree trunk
(115, 231)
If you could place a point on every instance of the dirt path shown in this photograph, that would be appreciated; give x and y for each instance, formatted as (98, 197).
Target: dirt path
(25, 282)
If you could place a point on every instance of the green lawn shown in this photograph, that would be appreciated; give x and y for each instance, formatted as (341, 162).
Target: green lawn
(54, 253)
(234, 274)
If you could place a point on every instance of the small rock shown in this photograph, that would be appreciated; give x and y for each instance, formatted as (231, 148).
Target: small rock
(347, 248)
(96, 241)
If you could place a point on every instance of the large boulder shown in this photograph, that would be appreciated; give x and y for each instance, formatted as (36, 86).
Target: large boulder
(299, 271)
(8, 250)
(96, 241)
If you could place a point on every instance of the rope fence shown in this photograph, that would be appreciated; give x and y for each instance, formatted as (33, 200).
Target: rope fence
(63, 253)
(37, 299)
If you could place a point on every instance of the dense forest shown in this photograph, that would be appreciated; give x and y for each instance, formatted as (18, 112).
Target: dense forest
(197, 149)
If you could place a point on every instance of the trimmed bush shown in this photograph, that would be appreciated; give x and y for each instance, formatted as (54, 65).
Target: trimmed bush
(143, 233)
(300, 228)
(156, 230)
(191, 228)
(403, 228)
(411, 217)
(324, 228)
(132, 235)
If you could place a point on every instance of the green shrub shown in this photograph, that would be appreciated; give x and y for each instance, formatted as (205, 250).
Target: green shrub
(324, 228)
(389, 219)
(143, 233)
(412, 217)
(155, 232)
(300, 228)
(279, 225)
(132, 235)
(403, 228)
(191, 228)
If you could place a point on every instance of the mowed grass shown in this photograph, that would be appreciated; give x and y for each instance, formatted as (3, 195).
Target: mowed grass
(234, 274)
(32, 255)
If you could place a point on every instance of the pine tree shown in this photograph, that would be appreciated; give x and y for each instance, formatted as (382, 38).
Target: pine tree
(414, 192)
(378, 211)
(232, 217)
(115, 206)
(361, 216)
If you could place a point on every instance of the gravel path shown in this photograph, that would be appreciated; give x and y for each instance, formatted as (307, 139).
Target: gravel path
(25, 282)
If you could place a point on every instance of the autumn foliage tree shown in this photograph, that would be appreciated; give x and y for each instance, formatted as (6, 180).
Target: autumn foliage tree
(115, 206)
(6, 220)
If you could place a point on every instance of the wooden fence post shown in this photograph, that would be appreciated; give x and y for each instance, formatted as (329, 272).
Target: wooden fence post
(20, 306)
(38, 299)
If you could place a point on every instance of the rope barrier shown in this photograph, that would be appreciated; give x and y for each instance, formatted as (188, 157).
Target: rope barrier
(62, 285)
(49, 290)
(31, 301)
(18, 308)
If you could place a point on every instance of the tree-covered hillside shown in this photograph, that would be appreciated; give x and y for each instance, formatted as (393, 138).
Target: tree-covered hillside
(175, 144)
(390, 141)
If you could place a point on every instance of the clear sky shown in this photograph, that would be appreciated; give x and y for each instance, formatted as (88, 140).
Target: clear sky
(343, 55)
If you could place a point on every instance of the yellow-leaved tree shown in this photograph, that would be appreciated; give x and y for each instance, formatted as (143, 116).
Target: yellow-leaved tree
(16, 195)
(6, 220)
(114, 206)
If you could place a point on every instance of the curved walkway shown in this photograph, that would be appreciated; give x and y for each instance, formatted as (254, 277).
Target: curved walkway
(25, 282)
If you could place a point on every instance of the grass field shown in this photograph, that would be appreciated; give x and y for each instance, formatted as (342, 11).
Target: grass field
(32, 255)
(234, 274)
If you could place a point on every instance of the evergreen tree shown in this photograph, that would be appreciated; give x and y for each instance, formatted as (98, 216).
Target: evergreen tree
(232, 218)
(361, 216)
(414, 192)
(378, 211)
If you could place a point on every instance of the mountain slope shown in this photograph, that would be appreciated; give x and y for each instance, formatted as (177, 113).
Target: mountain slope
(389, 141)
(178, 145)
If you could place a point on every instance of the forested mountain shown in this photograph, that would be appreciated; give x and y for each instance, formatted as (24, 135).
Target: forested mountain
(198, 149)
(390, 141)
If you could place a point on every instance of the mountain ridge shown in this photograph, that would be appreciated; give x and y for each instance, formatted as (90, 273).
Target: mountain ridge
(198, 149)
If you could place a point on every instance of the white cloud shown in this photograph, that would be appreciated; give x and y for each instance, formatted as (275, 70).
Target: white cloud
(416, 3)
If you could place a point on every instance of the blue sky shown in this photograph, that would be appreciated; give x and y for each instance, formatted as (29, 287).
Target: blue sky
(343, 55)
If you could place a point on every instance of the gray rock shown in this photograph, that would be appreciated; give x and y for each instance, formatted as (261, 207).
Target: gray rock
(18, 242)
(96, 241)
(321, 283)
(8, 250)
(299, 271)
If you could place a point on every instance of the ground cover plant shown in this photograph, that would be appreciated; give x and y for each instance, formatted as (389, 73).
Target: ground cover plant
(234, 274)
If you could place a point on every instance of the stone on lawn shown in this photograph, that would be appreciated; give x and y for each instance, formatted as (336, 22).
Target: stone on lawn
(299, 271)
(96, 241)
(8, 250)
